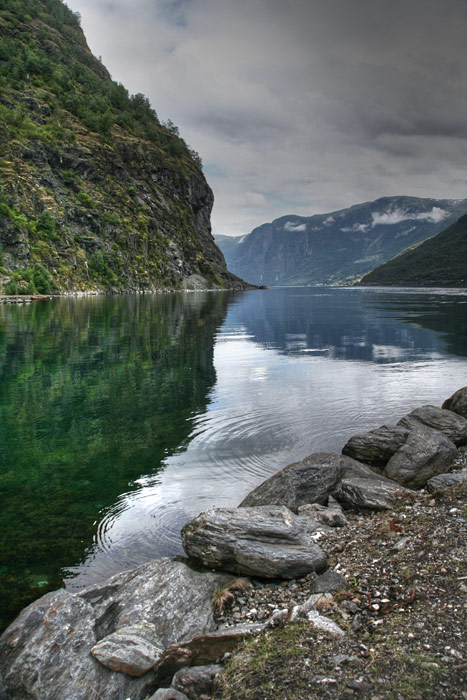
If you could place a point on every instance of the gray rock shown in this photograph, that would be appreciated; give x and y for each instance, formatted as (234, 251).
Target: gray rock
(377, 446)
(328, 582)
(443, 481)
(311, 480)
(168, 694)
(367, 493)
(133, 650)
(266, 541)
(166, 592)
(425, 453)
(457, 402)
(330, 516)
(454, 427)
(204, 649)
(45, 652)
(196, 681)
(325, 624)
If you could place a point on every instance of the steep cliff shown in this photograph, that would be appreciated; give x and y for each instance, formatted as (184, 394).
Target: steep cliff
(95, 193)
(340, 246)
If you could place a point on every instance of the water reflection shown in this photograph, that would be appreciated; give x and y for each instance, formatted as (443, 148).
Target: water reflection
(121, 418)
(95, 393)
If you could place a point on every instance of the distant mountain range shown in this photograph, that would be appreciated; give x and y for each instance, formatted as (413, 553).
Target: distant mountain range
(440, 261)
(338, 247)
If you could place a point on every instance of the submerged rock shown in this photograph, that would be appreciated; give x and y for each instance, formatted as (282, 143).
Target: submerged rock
(425, 453)
(266, 541)
(457, 402)
(46, 651)
(454, 427)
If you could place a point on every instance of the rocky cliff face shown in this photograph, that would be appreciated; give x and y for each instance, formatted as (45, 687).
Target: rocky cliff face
(96, 193)
(338, 247)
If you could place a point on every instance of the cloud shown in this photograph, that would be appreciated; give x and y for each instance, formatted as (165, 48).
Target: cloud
(396, 216)
(290, 226)
(255, 199)
(323, 104)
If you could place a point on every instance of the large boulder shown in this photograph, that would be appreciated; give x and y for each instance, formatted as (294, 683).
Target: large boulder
(46, 652)
(454, 427)
(457, 402)
(266, 541)
(315, 478)
(425, 453)
(376, 447)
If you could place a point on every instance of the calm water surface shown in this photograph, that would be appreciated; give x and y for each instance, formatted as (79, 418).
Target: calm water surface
(121, 418)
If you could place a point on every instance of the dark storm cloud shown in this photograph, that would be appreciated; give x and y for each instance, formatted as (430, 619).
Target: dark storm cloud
(321, 102)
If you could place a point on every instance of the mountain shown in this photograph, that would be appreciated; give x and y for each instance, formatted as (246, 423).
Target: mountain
(338, 247)
(440, 261)
(95, 192)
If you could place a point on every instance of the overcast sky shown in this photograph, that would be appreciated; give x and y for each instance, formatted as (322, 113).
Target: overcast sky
(299, 106)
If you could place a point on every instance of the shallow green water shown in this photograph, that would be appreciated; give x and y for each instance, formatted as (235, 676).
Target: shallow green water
(95, 392)
(122, 417)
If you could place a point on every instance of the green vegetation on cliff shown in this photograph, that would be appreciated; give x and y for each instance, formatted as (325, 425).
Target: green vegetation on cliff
(438, 262)
(95, 193)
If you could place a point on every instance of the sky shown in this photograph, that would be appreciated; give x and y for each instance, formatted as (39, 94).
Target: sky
(299, 107)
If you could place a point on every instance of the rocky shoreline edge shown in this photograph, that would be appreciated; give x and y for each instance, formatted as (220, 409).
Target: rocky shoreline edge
(276, 564)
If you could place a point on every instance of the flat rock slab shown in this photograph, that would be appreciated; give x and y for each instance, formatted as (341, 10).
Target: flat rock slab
(204, 649)
(425, 453)
(457, 402)
(443, 481)
(265, 541)
(45, 652)
(454, 427)
(376, 447)
(315, 478)
(132, 650)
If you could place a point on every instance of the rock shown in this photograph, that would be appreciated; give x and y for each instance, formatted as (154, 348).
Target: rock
(325, 624)
(367, 493)
(196, 681)
(454, 427)
(266, 541)
(168, 694)
(457, 402)
(45, 652)
(377, 446)
(204, 649)
(331, 516)
(132, 650)
(425, 453)
(328, 582)
(443, 481)
(314, 479)
(166, 592)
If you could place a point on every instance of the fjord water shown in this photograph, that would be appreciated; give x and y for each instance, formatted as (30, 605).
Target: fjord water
(123, 417)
